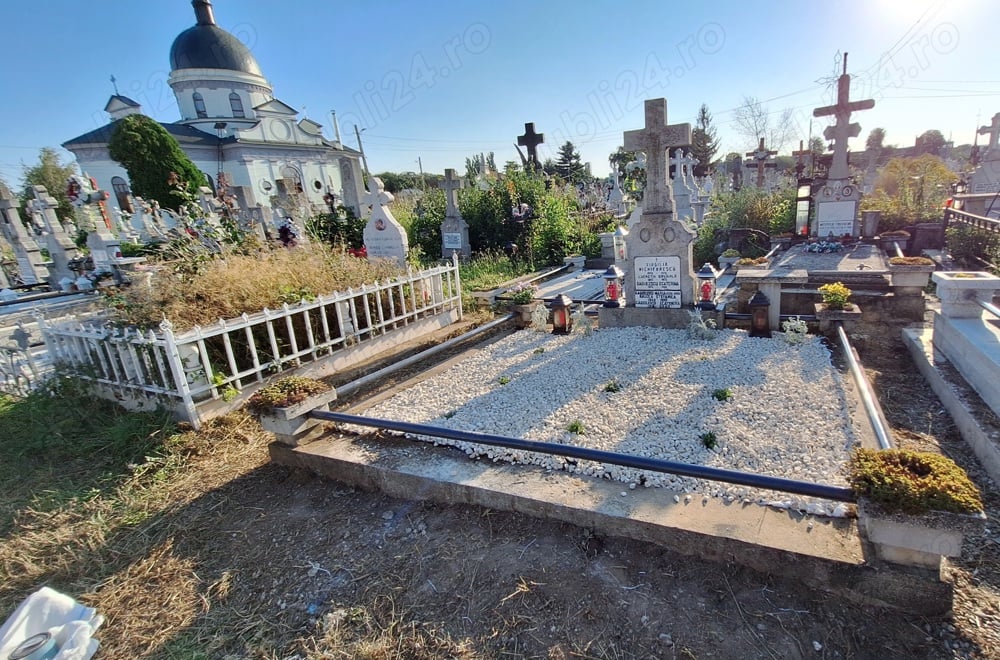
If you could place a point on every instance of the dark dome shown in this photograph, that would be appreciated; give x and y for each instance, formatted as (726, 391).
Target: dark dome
(207, 46)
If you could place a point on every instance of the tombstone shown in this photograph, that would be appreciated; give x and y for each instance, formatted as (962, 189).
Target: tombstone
(800, 160)
(682, 195)
(88, 203)
(384, 237)
(616, 198)
(31, 267)
(659, 279)
(530, 141)
(760, 159)
(142, 222)
(61, 247)
(251, 216)
(838, 197)
(454, 228)
(986, 177)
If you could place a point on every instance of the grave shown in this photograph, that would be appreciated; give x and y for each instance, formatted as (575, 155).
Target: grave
(760, 159)
(682, 193)
(61, 247)
(530, 141)
(384, 237)
(659, 279)
(31, 266)
(838, 197)
(985, 178)
(454, 228)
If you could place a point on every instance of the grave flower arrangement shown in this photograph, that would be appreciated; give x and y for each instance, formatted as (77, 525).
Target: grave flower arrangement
(835, 295)
(910, 261)
(285, 392)
(912, 482)
(522, 293)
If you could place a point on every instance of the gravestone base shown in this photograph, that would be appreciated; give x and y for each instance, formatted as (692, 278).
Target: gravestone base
(628, 317)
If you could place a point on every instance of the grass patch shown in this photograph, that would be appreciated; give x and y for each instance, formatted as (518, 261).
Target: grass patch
(612, 387)
(709, 439)
(488, 270)
(576, 426)
(722, 394)
(503, 380)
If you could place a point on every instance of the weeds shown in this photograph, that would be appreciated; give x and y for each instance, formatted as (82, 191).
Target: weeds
(722, 394)
(612, 387)
(709, 440)
(576, 426)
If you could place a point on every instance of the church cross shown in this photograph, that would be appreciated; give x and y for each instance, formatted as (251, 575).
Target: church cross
(654, 140)
(801, 154)
(114, 83)
(760, 158)
(450, 186)
(843, 129)
(993, 130)
(531, 140)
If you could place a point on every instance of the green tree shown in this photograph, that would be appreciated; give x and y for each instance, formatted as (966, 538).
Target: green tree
(568, 164)
(620, 158)
(876, 139)
(704, 141)
(52, 174)
(156, 166)
(474, 165)
(931, 142)
(910, 190)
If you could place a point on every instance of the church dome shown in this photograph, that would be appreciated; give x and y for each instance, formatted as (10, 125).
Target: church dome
(207, 46)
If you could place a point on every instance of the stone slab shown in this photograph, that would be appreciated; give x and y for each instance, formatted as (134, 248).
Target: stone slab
(860, 257)
(973, 346)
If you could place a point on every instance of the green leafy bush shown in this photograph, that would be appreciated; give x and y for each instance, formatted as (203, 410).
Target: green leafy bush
(912, 481)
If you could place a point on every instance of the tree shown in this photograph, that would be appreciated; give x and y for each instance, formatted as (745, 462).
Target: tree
(620, 158)
(704, 141)
(156, 166)
(876, 139)
(931, 142)
(568, 164)
(754, 121)
(52, 174)
(474, 165)
(910, 190)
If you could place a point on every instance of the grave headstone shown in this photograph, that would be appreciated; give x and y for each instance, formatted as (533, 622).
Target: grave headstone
(530, 141)
(616, 197)
(986, 177)
(61, 247)
(659, 246)
(384, 237)
(838, 197)
(760, 159)
(681, 193)
(31, 267)
(454, 228)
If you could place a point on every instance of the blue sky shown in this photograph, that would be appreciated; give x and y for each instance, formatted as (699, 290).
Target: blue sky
(444, 80)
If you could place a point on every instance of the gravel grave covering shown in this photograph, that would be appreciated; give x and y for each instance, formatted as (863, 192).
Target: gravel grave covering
(786, 416)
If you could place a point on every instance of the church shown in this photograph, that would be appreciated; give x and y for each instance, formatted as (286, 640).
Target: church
(231, 124)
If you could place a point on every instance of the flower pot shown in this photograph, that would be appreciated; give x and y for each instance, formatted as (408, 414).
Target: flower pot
(291, 425)
(849, 316)
(916, 540)
(524, 313)
(910, 279)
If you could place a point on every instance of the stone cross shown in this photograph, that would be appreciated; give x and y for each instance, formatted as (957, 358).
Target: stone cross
(384, 237)
(531, 140)
(843, 129)
(30, 264)
(800, 167)
(761, 158)
(450, 186)
(993, 130)
(655, 139)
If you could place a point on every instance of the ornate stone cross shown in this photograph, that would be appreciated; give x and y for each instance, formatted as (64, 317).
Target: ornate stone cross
(843, 129)
(654, 140)
(761, 159)
(993, 130)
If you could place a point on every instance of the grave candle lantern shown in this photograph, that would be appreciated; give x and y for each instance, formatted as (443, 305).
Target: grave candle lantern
(760, 325)
(614, 279)
(562, 320)
(619, 243)
(706, 287)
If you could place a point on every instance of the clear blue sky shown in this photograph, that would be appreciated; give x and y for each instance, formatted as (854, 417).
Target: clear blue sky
(444, 80)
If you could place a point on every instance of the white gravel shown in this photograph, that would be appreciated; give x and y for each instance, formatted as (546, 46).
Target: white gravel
(787, 417)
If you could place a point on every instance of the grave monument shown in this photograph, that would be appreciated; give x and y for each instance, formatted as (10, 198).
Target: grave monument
(659, 279)
(760, 159)
(986, 177)
(530, 141)
(384, 237)
(61, 247)
(838, 197)
(31, 268)
(454, 228)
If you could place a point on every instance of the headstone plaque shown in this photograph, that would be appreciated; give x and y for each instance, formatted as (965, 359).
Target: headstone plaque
(658, 282)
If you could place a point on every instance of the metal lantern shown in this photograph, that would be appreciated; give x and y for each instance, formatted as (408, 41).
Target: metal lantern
(706, 287)
(562, 319)
(614, 284)
(618, 238)
(760, 324)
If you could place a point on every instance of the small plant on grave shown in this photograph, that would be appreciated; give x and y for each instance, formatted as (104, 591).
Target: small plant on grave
(522, 293)
(699, 328)
(709, 439)
(285, 392)
(730, 253)
(576, 426)
(912, 481)
(539, 350)
(795, 330)
(722, 394)
(910, 261)
(612, 387)
(835, 295)
(503, 380)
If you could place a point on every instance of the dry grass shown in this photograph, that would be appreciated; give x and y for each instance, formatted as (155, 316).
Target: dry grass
(234, 284)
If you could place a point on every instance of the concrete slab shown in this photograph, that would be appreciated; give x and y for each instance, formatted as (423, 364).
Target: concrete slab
(852, 259)
(578, 285)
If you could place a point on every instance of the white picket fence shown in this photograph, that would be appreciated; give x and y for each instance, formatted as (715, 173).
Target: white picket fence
(213, 369)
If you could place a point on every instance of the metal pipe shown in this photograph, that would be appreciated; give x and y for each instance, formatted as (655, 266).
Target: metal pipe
(990, 307)
(867, 397)
(638, 462)
(349, 388)
(899, 251)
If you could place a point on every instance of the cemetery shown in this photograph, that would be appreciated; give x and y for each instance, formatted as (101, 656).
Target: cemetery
(684, 373)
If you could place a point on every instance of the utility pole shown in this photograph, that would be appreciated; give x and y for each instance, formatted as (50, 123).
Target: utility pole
(423, 184)
(361, 148)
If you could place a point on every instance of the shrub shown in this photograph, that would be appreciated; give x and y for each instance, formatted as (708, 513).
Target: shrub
(967, 244)
(912, 482)
(722, 394)
(576, 426)
(835, 295)
(911, 261)
(709, 440)
(731, 252)
(522, 294)
(285, 392)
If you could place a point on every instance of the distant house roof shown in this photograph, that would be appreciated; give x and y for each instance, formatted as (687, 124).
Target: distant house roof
(184, 134)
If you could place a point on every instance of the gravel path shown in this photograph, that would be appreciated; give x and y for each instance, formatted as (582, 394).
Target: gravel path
(787, 415)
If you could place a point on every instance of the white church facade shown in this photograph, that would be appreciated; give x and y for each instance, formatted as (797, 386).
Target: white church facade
(231, 123)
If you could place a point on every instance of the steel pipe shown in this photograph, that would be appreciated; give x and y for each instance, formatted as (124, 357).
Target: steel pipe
(638, 462)
(867, 397)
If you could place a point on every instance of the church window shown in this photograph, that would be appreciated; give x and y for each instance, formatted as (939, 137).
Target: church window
(122, 193)
(317, 185)
(236, 103)
(199, 105)
(293, 177)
